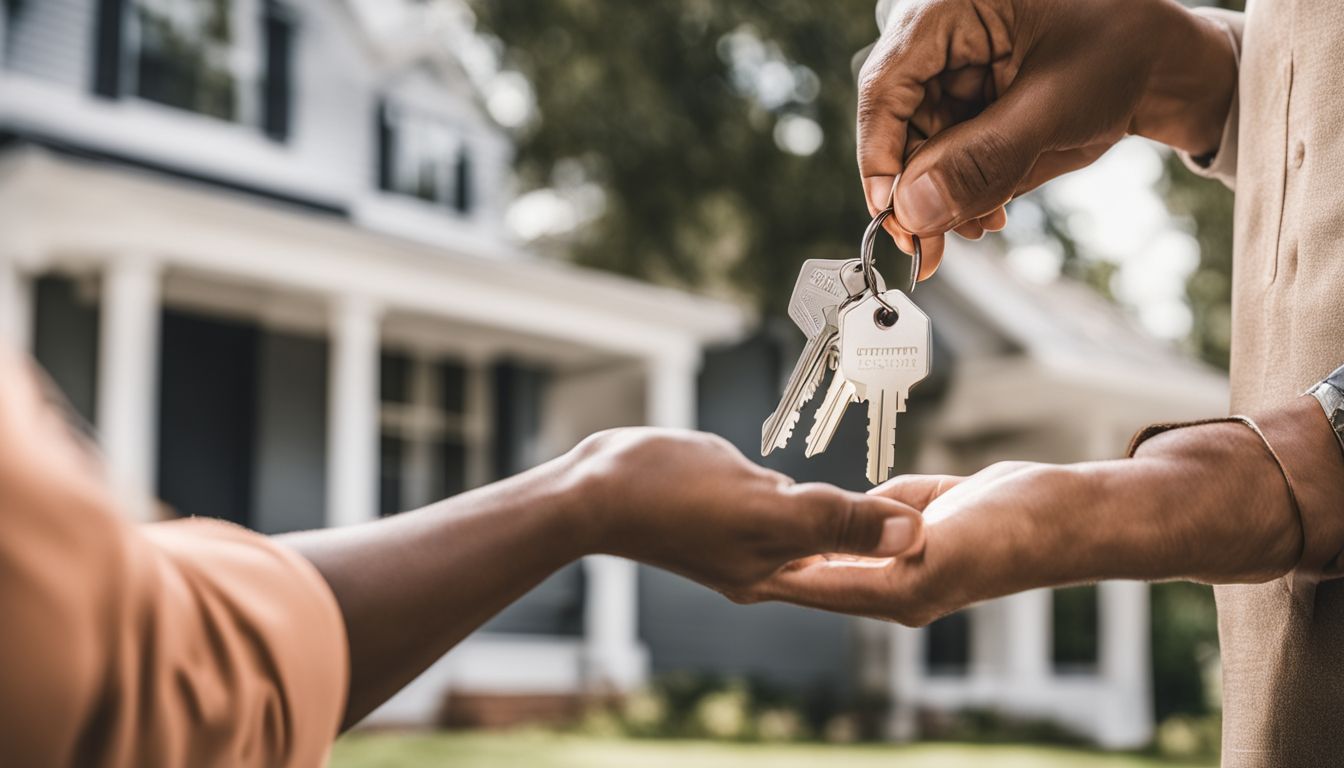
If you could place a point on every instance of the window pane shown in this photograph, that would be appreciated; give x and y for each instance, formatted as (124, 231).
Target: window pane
(450, 463)
(185, 50)
(394, 378)
(452, 388)
(391, 450)
(948, 651)
(423, 156)
(1075, 629)
(464, 201)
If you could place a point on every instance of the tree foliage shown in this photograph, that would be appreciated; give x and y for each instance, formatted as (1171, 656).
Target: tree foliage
(659, 104)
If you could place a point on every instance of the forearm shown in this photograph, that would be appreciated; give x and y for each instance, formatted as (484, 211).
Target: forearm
(1211, 503)
(412, 586)
(1191, 84)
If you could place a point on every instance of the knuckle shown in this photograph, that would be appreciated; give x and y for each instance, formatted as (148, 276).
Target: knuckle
(988, 165)
(832, 512)
(845, 518)
(874, 105)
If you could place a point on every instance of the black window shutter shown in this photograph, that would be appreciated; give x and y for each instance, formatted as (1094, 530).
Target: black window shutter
(386, 146)
(519, 393)
(278, 85)
(107, 48)
(463, 200)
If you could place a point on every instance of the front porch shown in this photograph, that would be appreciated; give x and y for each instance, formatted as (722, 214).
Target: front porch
(498, 361)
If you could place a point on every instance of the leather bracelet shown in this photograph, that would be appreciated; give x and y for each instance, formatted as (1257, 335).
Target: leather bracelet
(1153, 430)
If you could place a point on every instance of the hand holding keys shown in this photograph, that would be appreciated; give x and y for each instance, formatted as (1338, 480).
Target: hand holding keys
(881, 345)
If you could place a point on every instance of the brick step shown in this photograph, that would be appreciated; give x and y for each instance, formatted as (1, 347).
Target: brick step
(464, 709)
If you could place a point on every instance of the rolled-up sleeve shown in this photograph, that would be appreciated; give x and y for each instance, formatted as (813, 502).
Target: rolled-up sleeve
(1222, 164)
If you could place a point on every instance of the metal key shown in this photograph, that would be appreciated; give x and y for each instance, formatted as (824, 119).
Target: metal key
(883, 354)
(823, 286)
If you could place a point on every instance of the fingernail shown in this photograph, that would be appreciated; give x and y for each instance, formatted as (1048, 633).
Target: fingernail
(898, 533)
(878, 191)
(922, 206)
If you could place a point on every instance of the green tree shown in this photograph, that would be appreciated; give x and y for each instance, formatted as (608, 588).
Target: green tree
(672, 107)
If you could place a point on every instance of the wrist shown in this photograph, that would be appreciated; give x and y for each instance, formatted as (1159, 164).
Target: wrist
(1312, 468)
(1191, 83)
(587, 493)
(557, 500)
(1217, 501)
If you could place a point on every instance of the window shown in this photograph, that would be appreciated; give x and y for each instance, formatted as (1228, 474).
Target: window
(185, 56)
(229, 59)
(427, 441)
(11, 9)
(422, 156)
(1075, 630)
(947, 649)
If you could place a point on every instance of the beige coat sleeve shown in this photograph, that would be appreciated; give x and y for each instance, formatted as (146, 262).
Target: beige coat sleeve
(189, 643)
(1222, 164)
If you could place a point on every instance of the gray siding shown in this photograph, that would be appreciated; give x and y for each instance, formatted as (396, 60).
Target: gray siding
(52, 40)
(289, 492)
(690, 628)
(554, 607)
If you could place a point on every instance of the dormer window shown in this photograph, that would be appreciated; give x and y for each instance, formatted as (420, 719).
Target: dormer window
(228, 59)
(421, 155)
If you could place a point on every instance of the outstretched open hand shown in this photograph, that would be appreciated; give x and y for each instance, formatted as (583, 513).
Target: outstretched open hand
(979, 534)
(691, 503)
(1206, 504)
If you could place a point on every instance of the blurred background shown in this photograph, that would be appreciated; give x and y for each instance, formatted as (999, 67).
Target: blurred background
(308, 262)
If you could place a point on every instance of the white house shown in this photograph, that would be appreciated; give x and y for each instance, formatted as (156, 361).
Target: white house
(263, 252)
(222, 222)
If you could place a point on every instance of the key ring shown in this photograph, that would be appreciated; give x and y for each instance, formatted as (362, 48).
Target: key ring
(866, 253)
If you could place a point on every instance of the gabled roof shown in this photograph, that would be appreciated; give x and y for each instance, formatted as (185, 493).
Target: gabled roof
(1025, 351)
(399, 37)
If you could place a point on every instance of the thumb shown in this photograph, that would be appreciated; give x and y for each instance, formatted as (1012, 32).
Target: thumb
(858, 523)
(972, 168)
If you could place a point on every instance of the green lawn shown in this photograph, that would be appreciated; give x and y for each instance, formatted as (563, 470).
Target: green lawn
(547, 750)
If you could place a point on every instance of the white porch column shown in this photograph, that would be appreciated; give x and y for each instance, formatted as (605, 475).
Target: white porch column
(1125, 664)
(352, 412)
(16, 299)
(988, 652)
(128, 367)
(615, 657)
(670, 400)
(907, 677)
(1026, 622)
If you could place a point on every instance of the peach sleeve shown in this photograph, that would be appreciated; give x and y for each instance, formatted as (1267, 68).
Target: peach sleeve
(186, 643)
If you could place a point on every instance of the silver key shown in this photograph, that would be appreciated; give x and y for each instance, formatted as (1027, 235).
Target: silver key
(838, 397)
(823, 286)
(878, 364)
